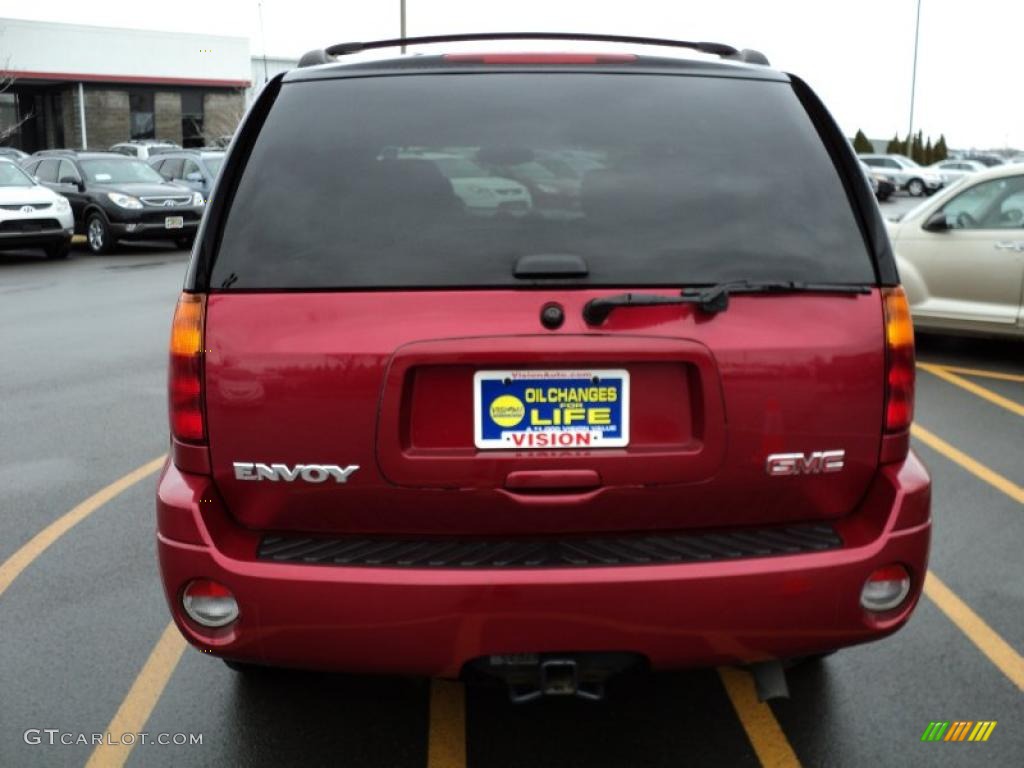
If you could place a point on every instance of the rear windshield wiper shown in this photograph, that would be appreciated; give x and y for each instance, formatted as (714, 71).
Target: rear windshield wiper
(710, 299)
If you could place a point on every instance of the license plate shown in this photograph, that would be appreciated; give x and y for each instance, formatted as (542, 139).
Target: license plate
(566, 409)
(174, 222)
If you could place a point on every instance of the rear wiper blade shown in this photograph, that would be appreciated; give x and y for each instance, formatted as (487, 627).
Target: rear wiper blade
(710, 299)
(715, 298)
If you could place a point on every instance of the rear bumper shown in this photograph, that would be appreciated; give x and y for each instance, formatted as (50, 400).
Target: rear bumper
(422, 622)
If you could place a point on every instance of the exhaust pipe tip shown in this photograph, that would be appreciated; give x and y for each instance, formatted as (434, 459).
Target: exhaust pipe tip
(770, 680)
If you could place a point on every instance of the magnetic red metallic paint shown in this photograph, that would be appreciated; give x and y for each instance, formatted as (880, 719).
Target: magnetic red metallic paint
(383, 380)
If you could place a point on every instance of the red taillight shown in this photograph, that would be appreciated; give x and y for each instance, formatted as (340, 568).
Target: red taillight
(540, 58)
(899, 368)
(185, 380)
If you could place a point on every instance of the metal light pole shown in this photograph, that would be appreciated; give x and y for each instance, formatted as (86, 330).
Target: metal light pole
(263, 40)
(913, 76)
(402, 22)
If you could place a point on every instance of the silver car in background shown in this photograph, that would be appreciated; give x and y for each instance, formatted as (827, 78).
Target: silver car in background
(954, 170)
(908, 175)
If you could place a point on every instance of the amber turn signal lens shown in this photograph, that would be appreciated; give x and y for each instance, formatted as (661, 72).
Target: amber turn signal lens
(899, 375)
(185, 383)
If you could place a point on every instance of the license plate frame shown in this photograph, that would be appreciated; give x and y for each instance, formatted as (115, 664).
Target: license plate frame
(174, 222)
(596, 401)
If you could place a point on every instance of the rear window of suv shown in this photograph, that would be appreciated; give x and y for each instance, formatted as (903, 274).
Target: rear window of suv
(421, 181)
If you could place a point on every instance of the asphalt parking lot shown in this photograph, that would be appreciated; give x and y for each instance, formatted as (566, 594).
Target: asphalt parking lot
(86, 646)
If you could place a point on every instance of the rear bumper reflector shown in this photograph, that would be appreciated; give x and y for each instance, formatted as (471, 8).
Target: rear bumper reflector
(575, 552)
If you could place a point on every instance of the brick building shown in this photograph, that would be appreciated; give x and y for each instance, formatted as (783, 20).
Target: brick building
(67, 85)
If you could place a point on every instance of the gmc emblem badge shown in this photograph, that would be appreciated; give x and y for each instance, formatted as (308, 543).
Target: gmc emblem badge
(815, 463)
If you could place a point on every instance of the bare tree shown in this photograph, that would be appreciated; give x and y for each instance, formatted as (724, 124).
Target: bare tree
(8, 129)
(225, 118)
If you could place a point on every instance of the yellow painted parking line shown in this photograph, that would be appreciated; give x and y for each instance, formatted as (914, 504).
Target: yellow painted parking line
(998, 651)
(976, 468)
(20, 560)
(142, 697)
(766, 737)
(1018, 377)
(986, 639)
(987, 394)
(447, 746)
(77, 239)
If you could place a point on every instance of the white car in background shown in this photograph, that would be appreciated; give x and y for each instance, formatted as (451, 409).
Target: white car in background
(31, 215)
(143, 149)
(954, 170)
(960, 255)
(480, 191)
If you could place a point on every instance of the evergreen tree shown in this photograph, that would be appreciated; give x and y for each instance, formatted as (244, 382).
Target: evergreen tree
(894, 147)
(916, 149)
(929, 152)
(861, 143)
(940, 152)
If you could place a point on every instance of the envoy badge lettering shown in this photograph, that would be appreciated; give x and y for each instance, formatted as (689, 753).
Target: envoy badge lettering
(815, 463)
(311, 473)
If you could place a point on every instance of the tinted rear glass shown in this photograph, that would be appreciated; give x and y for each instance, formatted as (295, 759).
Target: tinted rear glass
(437, 181)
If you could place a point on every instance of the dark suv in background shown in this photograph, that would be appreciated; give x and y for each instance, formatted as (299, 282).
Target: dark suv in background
(118, 198)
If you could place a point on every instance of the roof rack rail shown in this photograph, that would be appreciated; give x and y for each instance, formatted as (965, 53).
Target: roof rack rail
(327, 55)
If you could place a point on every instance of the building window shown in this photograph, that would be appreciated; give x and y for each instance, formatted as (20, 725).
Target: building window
(8, 115)
(192, 119)
(140, 105)
(55, 117)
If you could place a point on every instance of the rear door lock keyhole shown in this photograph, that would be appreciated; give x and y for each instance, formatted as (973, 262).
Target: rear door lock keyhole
(552, 316)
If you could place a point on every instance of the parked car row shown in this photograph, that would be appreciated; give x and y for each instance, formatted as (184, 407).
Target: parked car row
(907, 175)
(106, 196)
(917, 180)
(119, 198)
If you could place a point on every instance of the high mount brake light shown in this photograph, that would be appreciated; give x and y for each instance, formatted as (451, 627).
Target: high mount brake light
(899, 366)
(540, 58)
(185, 378)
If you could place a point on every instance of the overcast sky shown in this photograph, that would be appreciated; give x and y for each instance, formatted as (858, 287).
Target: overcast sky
(857, 54)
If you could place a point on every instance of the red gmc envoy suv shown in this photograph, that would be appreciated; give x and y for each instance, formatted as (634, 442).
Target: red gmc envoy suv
(540, 366)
